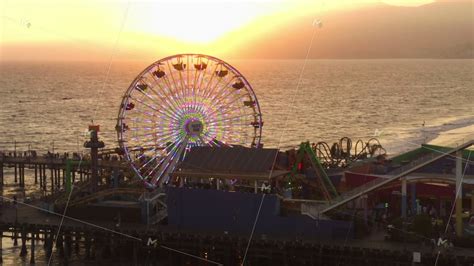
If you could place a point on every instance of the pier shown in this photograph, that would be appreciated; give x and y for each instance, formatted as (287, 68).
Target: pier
(160, 245)
(50, 169)
(70, 226)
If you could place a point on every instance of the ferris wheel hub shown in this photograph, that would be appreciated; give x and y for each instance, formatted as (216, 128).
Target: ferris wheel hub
(194, 127)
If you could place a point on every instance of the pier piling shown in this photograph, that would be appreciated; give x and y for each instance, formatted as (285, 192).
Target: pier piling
(16, 173)
(1, 174)
(40, 177)
(67, 249)
(49, 244)
(15, 238)
(1, 247)
(52, 179)
(60, 245)
(77, 238)
(21, 170)
(36, 174)
(33, 240)
(23, 251)
(88, 247)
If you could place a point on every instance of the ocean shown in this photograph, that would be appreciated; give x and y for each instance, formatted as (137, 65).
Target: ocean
(49, 105)
(404, 102)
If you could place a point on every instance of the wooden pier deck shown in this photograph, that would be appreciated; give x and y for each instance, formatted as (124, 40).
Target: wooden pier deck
(165, 245)
(29, 224)
(51, 168)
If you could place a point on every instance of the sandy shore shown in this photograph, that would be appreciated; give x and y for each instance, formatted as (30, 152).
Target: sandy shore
(454, 137)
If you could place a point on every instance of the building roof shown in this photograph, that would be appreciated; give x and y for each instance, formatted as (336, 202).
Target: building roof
(227, 162)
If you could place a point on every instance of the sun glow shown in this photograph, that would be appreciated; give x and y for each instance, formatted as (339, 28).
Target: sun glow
(140, 29)
(191, 21)
(408, 2)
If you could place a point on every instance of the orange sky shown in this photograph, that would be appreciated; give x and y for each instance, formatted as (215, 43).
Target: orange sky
(90, 29)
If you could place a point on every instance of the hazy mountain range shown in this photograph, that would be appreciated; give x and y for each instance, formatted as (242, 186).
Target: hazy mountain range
(439, 30)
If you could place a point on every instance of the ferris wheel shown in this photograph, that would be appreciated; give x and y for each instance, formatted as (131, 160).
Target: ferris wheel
(183, 101)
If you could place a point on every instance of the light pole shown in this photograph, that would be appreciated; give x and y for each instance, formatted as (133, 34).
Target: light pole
(94, 144)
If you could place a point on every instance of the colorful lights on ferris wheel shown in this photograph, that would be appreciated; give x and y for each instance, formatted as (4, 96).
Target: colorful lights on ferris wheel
(170, 108)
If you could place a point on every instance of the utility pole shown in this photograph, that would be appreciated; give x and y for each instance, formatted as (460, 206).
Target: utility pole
(94, 144)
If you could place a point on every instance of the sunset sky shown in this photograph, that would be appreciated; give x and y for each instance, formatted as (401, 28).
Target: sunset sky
(92, 30)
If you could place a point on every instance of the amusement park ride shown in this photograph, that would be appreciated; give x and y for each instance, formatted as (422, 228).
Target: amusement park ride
(180, 102)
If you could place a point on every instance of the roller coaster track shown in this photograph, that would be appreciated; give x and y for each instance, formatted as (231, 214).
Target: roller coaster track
(343, 153)
(380, 182)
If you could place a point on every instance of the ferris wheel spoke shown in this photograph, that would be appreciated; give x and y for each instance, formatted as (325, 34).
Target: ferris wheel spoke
(169, 136)
(165, 99)
(155, 157)
(204, 142)
(209, 81)
(157, 103)
(202, 77)
(188, 85)
(170, 162)
(228, 93)
(184, 88)
(211, 84)
(227, 119)
(167, 95)
(213, 141)
(135, 119)
(179, 89)
(143, 136)
(172, 148)
(214, 88)
(221, 105)
(172, 90)
(140, 156)
(151, 107)
(197, 75)
(182, 82)
(157, 149)
(218, 91)
(147, 162)
(158, 136)
(205, 79)
(224, 112)
(137, 111)
(189, 88)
